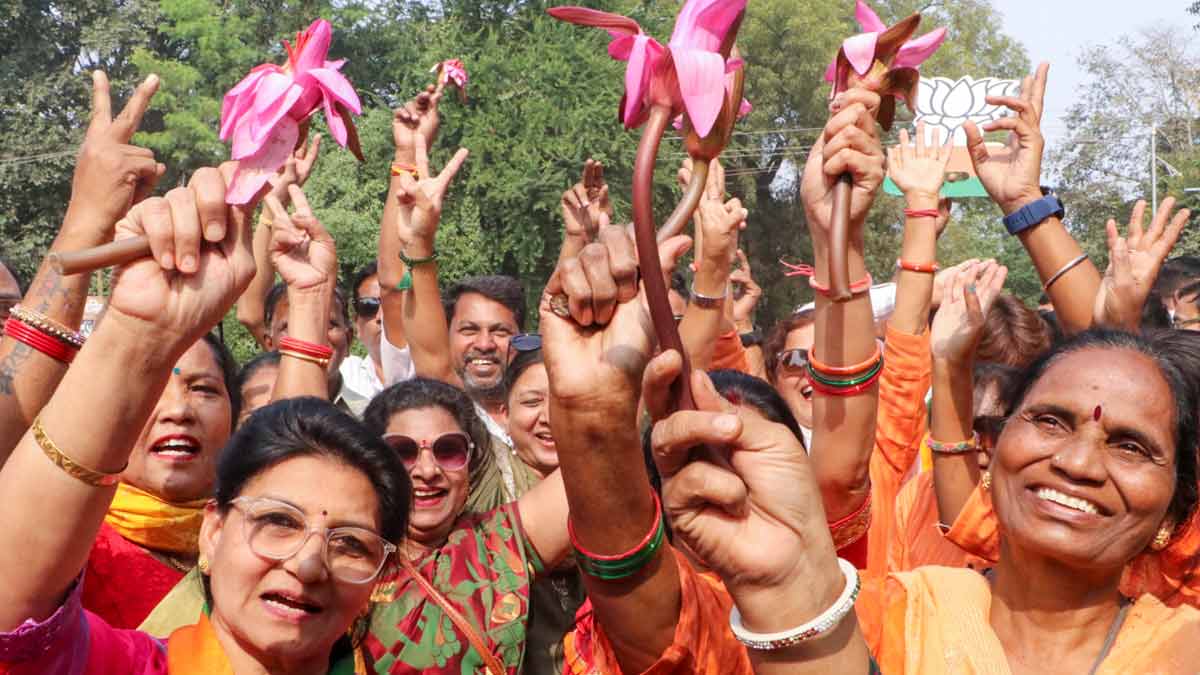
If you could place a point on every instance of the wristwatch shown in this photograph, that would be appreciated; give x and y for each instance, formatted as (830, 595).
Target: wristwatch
(1034, 213)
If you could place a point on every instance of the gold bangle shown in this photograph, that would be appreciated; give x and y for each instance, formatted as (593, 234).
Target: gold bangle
(69, 466)
(324, 363)
(47, 325)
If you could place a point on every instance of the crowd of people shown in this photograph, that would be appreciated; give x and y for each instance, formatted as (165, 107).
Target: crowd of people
(928, 477)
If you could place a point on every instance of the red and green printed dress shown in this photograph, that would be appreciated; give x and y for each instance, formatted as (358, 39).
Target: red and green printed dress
(484, 569)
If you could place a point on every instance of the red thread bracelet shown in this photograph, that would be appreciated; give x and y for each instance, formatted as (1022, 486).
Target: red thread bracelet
(304, 347)
(845, 391)
(861, 286)
(921, 213)
(620, 556)
(44, 343)
(927, 268)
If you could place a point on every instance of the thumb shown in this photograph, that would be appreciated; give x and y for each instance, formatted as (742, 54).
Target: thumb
(671, 250)
(706, 397)
(975, 145)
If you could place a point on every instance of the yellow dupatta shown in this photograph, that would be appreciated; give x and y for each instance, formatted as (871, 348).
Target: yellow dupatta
(155, 524)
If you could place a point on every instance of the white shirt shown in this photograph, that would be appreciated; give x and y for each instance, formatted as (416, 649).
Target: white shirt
(397, 362)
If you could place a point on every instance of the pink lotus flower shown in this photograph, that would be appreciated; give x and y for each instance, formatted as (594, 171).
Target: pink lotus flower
(688, 74)
(263, 113)
(452, 70)
(860, 50)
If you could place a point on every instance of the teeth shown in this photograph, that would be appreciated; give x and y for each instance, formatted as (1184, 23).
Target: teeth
(1067, 501)
(426, 493)
(287, 607)
(176, 443)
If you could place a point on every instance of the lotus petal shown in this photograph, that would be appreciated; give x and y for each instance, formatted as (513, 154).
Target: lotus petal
(316, 40)
(914, 52)
(860, 51)
(336, 84)
(868, 19)
(254, 171)
(703, 24)
(702, 86)
(615, 24)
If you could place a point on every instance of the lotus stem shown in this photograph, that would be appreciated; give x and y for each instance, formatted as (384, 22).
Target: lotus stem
(839, 231)
(687, 206)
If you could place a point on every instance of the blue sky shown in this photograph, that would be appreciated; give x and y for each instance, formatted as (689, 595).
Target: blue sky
(1057, 30)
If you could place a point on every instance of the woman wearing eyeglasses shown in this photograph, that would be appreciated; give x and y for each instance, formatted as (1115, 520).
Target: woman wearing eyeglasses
(309, 505)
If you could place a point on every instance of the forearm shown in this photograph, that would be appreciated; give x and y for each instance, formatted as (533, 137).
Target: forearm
(251, 306)
(28, 377)
(954, 475)
(611, 510)
(844, 429)
(1073, 294)
(915, 289)
(424, 320)
(308, 314)
(701, 325)
(51, 518)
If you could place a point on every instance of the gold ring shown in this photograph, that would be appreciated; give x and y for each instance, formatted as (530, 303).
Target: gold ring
(560, 306)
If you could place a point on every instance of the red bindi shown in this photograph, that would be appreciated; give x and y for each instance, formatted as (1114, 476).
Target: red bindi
(1096, 413)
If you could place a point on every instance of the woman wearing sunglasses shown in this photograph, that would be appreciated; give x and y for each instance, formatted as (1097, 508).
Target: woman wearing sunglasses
(309, 505)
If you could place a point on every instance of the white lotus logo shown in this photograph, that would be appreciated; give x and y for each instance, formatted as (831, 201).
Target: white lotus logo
(947, 104)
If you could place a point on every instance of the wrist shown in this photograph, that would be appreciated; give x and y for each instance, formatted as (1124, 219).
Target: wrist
(1025, 198)
(83, 230)
(775, 608)
(418, 246)
(405, 156)
(920, 200)
(124, 338)
(710, 280)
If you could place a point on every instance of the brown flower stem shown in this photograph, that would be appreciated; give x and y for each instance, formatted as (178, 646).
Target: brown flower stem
(839, 231)
(119, 252)
(687, 206)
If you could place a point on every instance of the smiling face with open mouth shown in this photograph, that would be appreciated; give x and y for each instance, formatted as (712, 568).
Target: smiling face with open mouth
(439, 494)
(175, 456)
(1084, 471)
(529, 420)
(792, 382)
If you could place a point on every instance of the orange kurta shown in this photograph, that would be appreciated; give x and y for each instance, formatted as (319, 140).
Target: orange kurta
(918, 540)
(935, 621)
(730, 354)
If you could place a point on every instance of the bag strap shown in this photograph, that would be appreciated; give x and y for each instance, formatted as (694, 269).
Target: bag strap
(491, 662)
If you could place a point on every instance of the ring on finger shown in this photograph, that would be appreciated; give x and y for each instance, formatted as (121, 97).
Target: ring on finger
(560, 305)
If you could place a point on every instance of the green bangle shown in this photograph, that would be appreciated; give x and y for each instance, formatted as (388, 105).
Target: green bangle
(413, 262)
(852, 382)
(622, 565)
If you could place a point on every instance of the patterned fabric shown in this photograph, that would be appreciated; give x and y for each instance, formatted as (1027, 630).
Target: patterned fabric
(125, 582)
(703, 644)
(484, 569)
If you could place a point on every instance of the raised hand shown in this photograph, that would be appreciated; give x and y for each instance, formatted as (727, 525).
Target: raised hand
(717, 223)
(417, 118)
(296, 170)
(959, 321)
(743, 307)
(946, 276)
(183, 301)
(301, 248)
(425, 194)
(110, 174)
(586, 207)
(849, 144)
(1133, 263)
(919, 170)
(1013, 179)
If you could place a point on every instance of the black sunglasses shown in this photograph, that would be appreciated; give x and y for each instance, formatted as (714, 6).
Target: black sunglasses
(366, 308)
(794, 359)
(523, 342)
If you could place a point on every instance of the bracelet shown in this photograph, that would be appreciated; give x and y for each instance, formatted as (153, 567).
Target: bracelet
(921, 213)
(825, 622)
(845, 391)
(42, 342)
(324, 363)
(845, 370)
(304, 347)
(413, 262)
(953, 448)
(927, 268)
(814, 376)
(621, 565)
(405, 283)
(706, 301)
(69, 466)
(399, 168)
(857, 288)
(1065, 268)
(47, 325)
(852, 528)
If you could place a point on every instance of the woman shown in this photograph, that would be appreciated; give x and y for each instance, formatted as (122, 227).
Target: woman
(149, 538)
(273, 608)
(527, 409)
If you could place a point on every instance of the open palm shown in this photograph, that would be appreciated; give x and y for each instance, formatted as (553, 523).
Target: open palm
(1133, 263)
(960, 318)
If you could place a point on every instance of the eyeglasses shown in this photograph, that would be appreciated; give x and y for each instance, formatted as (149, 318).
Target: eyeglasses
(277, 531)
(523, 342)
(366, 308)
(452, 451)
(794, 360)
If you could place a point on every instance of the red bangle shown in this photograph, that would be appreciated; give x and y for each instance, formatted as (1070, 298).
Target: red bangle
(927, 268)
(845, 391)
(861, 286)
(307, 348)
(43, 342)
(621, 556)
(921, 213)
(834, 371)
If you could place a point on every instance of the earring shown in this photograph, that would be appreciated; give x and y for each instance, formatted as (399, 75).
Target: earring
(202, 564)
(985, 480)
(1162, 538)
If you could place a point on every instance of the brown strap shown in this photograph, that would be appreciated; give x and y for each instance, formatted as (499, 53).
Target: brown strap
(493, 664)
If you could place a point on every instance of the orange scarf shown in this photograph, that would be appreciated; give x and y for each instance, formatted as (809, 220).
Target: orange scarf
(194, 650)
(152, 523)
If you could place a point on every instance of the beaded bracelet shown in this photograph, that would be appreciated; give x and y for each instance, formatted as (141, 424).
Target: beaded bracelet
(621, 565)
(44, 343)
(69, 466)
(958, 448)
(47, 325)
(825, 622)
(857, 288)
(815, 376)
(855, 369)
